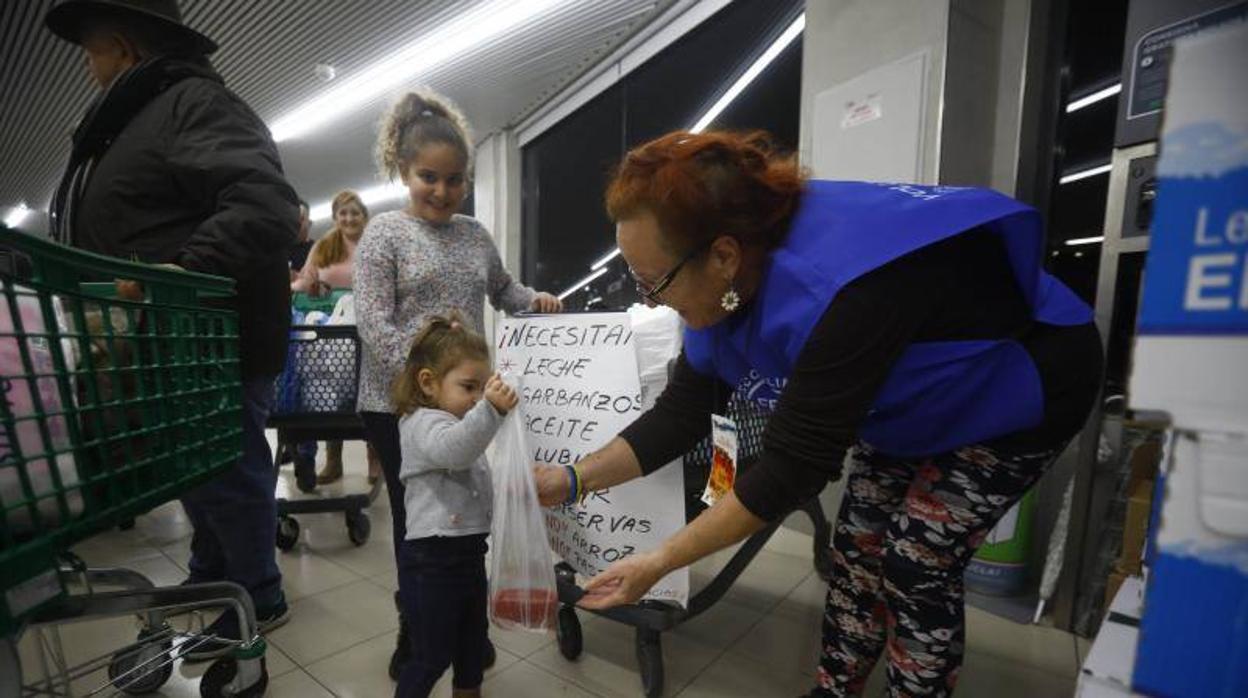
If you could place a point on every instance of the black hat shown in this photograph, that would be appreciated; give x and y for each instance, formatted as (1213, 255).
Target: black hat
(65, 20)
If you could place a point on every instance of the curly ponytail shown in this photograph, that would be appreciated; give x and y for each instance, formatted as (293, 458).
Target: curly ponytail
(418, 119)
(700, 186)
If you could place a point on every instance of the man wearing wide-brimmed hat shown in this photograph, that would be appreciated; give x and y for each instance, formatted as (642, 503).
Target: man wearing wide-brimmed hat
(170, 167)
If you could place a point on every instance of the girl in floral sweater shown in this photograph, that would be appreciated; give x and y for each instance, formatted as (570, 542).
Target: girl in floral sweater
(422, 261)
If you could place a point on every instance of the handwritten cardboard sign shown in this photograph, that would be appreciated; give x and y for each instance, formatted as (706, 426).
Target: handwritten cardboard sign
(579, 388)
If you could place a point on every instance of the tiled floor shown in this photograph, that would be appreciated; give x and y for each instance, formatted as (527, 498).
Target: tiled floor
(761, 640)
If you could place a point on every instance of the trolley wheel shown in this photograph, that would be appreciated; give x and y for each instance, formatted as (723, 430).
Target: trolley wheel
(650, 662)
(568, 633)
(142, 669)
(358, 527)
(287, 533)
(220, 679)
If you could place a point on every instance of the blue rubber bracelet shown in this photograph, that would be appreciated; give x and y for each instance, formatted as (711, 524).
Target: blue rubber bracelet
(574, 491)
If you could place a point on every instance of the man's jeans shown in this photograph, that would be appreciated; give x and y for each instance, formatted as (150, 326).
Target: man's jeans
(235, 515)
(306, 450)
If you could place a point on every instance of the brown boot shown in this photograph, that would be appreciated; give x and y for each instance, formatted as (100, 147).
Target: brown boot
(333, 464)
(374, 466)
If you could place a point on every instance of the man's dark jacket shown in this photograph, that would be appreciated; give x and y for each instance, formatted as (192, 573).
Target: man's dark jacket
(169, 166)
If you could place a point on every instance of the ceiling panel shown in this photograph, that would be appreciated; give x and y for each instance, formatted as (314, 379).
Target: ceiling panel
(268, 55)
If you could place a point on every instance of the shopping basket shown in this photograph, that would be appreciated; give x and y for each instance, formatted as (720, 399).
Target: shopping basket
(111, 405)
(315, 399)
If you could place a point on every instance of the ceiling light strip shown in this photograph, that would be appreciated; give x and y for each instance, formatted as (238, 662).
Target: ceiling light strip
(615, 252)
(738, 86)
(1093, 98)
(371, 196)
(451, 41)
(16, 215)
(1084, 174)
(777, 46)
(1086, 241)
(582, 283)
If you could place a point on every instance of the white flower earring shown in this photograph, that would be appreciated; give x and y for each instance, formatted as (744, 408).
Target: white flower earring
(731, 300)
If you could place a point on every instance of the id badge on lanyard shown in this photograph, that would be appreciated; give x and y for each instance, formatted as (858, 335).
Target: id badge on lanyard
(723, 459)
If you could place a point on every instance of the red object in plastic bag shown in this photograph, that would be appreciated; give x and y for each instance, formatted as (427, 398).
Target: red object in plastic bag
(525, 606)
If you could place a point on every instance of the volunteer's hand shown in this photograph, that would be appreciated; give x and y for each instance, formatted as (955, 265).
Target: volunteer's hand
(553, 484)
(624, 582)
(546, 303)
(502, 396)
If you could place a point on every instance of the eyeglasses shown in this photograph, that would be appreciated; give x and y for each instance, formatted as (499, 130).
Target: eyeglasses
(651, 292)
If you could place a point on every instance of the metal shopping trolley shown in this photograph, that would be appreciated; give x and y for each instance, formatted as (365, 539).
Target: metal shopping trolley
(112, 406)
(315, 401)
(651, 618)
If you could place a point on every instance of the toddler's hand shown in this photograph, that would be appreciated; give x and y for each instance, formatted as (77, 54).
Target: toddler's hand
(502, 396)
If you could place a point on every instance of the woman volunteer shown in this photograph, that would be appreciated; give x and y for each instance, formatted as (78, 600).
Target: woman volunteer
(909, 331)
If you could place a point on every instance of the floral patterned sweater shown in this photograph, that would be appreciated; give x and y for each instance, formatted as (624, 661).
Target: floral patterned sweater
(407, 269)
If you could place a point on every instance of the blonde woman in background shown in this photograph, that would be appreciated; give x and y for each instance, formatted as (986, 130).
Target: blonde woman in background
(331, 262)
(330, 266)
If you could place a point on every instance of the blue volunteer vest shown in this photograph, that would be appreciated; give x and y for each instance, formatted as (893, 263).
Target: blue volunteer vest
(938, 395)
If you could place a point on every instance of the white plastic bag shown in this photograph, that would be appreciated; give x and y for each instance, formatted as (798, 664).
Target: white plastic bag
(523, 595)
(19, 390)
(344, 311)
(657, 336)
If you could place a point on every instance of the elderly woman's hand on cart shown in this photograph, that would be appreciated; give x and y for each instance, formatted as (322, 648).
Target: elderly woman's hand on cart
(130, 290)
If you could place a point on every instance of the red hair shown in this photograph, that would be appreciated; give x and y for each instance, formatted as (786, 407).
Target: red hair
(702, 186)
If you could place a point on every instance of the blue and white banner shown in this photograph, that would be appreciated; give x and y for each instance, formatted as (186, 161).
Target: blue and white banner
(1196, 280)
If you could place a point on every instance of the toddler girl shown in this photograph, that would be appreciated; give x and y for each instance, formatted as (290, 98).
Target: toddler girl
(444, 428)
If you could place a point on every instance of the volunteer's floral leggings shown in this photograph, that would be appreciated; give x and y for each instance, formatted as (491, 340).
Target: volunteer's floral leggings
(903, 538)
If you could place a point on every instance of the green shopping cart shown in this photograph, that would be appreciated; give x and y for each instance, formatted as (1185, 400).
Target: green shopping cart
(117, 397)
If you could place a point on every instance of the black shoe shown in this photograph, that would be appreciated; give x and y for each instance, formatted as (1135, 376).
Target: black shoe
(403, 648)
(305, 474)
(402, 652)
(220, 638)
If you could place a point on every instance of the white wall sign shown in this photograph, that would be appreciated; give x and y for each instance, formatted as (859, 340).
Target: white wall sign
(854, 137)
(579, 388)
(862, 111)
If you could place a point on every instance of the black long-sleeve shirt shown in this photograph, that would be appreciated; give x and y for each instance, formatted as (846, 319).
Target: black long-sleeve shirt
(962, 288)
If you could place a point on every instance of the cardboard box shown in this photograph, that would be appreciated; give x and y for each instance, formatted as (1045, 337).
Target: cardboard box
(1135, 526)
(1145, 458)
